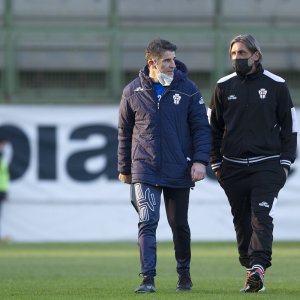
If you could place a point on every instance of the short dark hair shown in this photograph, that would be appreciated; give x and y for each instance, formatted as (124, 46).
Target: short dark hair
(157, 47)
(250, 42)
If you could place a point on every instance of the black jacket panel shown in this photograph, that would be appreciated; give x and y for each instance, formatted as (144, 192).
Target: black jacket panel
(252, 116)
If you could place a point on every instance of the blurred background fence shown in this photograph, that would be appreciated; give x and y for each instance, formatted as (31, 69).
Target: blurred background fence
(75, 51)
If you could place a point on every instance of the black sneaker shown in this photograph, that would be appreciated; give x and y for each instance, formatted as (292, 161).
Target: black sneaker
(147, 285)
(184, 283)
(255, 280)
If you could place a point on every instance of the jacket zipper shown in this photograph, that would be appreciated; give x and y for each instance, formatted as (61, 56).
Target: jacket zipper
(247, 116)
(159, 164)
(158, 142)
(158, 131)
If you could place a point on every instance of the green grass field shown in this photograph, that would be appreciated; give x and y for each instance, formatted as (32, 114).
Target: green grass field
(110, 271)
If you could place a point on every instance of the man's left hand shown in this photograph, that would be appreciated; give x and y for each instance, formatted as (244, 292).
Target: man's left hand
(125, 178)
(198, 172)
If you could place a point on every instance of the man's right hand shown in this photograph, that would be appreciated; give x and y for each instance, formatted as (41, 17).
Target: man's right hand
(125, 178)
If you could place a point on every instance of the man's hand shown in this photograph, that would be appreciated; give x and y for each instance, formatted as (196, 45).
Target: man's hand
(198, 172)
(125, 178)
(286, 171)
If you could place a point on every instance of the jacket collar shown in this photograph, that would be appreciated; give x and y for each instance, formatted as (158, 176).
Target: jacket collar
(180, 73)
(259, 70)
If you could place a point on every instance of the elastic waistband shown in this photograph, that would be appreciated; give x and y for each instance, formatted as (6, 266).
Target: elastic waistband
(249, 160)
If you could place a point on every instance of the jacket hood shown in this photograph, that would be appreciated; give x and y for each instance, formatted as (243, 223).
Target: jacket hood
(180, 72)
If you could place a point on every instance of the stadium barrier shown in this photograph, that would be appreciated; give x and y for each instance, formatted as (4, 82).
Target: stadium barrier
(65, 187)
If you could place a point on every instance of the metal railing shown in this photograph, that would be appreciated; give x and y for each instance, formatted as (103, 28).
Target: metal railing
(110, 49)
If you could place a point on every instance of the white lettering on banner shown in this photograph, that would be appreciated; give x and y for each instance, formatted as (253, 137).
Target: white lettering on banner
(77, 162)
(69, 152)
(62, 156)
(64, 151)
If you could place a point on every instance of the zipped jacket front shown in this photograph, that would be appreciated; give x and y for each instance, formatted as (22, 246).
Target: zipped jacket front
(160, 140)
(252, 116)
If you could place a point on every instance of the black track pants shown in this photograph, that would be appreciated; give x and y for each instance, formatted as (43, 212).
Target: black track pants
(252, 192)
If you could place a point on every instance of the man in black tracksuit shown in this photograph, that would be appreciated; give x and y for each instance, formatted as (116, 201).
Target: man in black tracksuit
(254, 136)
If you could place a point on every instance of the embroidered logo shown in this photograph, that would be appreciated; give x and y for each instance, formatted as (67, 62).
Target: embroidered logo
(262, 93)
(201, 101)
(232, 97)
(176, 98)
(265, 204)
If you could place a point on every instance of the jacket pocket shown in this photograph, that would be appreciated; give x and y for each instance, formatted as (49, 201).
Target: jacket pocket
(218, 175)
(189, 163)
(283, 172)
(188, 159)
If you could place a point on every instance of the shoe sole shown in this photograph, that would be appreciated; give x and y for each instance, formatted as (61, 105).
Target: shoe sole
(145, 292)
(255, 283)
(261, 290)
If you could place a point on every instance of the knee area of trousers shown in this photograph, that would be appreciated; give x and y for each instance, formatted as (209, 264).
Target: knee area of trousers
(179, 226)
(261, 218)
(144, 227)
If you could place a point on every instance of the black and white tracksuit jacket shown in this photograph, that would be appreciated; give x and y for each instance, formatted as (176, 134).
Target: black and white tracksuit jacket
(252, 118)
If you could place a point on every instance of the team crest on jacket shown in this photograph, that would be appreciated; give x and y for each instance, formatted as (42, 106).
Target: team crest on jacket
(262, 93)
(176, 98)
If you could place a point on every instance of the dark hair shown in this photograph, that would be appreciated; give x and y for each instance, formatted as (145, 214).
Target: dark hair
(157, 47)
(250, 42)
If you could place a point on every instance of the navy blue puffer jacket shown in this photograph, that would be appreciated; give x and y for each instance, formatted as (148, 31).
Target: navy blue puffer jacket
(159, 141)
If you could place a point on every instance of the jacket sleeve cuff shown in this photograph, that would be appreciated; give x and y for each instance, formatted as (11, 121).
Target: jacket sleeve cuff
(205, 163)
(285, 163)
(124, 170)
(215, 166)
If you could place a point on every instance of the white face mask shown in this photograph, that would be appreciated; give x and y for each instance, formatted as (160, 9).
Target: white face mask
(163, 79)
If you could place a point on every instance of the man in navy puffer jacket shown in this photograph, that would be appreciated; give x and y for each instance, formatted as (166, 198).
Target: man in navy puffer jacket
(164, 145)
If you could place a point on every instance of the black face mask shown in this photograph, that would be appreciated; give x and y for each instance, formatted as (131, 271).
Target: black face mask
(241, 65)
